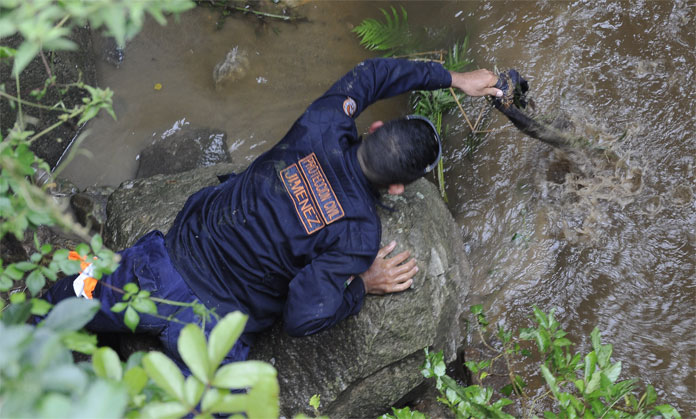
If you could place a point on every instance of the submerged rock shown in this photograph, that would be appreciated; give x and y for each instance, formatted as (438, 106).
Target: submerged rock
(183, 148)
(367, 362)
(234, 67)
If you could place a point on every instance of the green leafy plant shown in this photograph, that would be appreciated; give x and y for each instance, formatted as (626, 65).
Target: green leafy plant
(38, 377)
(578, 386)
(45, 25)
(391, 36)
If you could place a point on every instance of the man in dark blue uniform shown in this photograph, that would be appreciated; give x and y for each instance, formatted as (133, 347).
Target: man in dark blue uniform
(296, 235)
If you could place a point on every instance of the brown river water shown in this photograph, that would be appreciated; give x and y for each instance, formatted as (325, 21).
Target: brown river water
(608, 237)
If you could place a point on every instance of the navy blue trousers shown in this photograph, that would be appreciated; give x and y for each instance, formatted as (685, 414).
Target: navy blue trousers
(148, 265)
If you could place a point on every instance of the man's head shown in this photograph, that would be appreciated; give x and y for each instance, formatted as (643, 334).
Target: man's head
(399, 152)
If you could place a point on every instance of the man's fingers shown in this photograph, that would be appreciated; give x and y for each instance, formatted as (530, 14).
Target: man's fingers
(386, 249)
(405, 276)
(402, 286)
(493, 92)
(398, 270)
(399, 258)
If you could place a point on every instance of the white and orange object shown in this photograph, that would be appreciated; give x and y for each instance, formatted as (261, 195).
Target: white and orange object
(84, 284)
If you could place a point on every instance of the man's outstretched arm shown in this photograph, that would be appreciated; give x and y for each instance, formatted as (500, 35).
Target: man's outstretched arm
(381, 78)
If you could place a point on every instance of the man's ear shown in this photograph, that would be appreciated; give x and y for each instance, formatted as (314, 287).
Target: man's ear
(396, 189)
(374, 126)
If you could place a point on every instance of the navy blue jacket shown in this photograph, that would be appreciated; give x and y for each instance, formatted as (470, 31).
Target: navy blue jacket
(284, 236)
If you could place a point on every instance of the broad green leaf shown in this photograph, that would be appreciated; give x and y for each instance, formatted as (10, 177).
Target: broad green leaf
(314, 401)
(223, 337)
(550, 379)
(131, 288)
(119, 307)
(55, 405)
(80, 342)
(263, 398)
(104, 400)
(244, 374)
(164, 410)
(115, 19)
(667, 411)
(211, 397)
(5, 283)
(63, 377)
(23, 56)
(25, 266)
(35, 282)
(89, 113)
(164, 372)
(604, 355)
(71, 314)
(107, 364)
(593, 384)
(82, 249)
(131, 318)
(613, 372)
(135, 380)
(228, 403)
(60, 44)
(40, 307)
(596, 339)
(16, 313)
(193, 350)
(18, 297)
(541, 317)
(580, 385)
(650, 395)
(96, 243)
(562, 342)
(144, 305)
(476, 309)
(193, 390)
(590, 364)
(14, 273)
(7, 52)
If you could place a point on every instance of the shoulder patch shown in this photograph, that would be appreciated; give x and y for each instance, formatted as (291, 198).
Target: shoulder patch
(296, 186)
(322, 191)
(315, 201)
(349, 106)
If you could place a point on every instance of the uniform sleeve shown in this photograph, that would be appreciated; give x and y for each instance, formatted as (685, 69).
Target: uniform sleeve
(318, 296)
(381, 78)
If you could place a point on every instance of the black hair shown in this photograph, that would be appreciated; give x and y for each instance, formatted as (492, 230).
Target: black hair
(398, 152)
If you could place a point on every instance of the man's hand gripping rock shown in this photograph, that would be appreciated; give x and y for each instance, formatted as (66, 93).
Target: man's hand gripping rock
(388, 275)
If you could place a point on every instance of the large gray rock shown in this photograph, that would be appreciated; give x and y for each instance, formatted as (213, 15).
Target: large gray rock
(370, 361)
(139, 206)
(183, 148)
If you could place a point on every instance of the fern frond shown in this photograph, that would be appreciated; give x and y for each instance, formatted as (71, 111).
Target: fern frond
(457, 59)
(390, 36)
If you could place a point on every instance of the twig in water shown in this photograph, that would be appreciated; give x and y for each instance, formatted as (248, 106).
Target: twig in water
(265, 14)
(461, 109)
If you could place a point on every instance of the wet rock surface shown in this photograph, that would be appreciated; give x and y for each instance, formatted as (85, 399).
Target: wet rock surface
(368, 362)
(183, 148)
(89, 207)
(139, 206)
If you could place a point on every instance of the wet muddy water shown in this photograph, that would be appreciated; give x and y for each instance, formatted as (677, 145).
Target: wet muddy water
(607, 236)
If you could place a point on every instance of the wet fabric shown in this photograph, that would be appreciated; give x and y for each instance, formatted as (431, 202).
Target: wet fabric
(146, 263)
(255, 243)
(553, 130)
